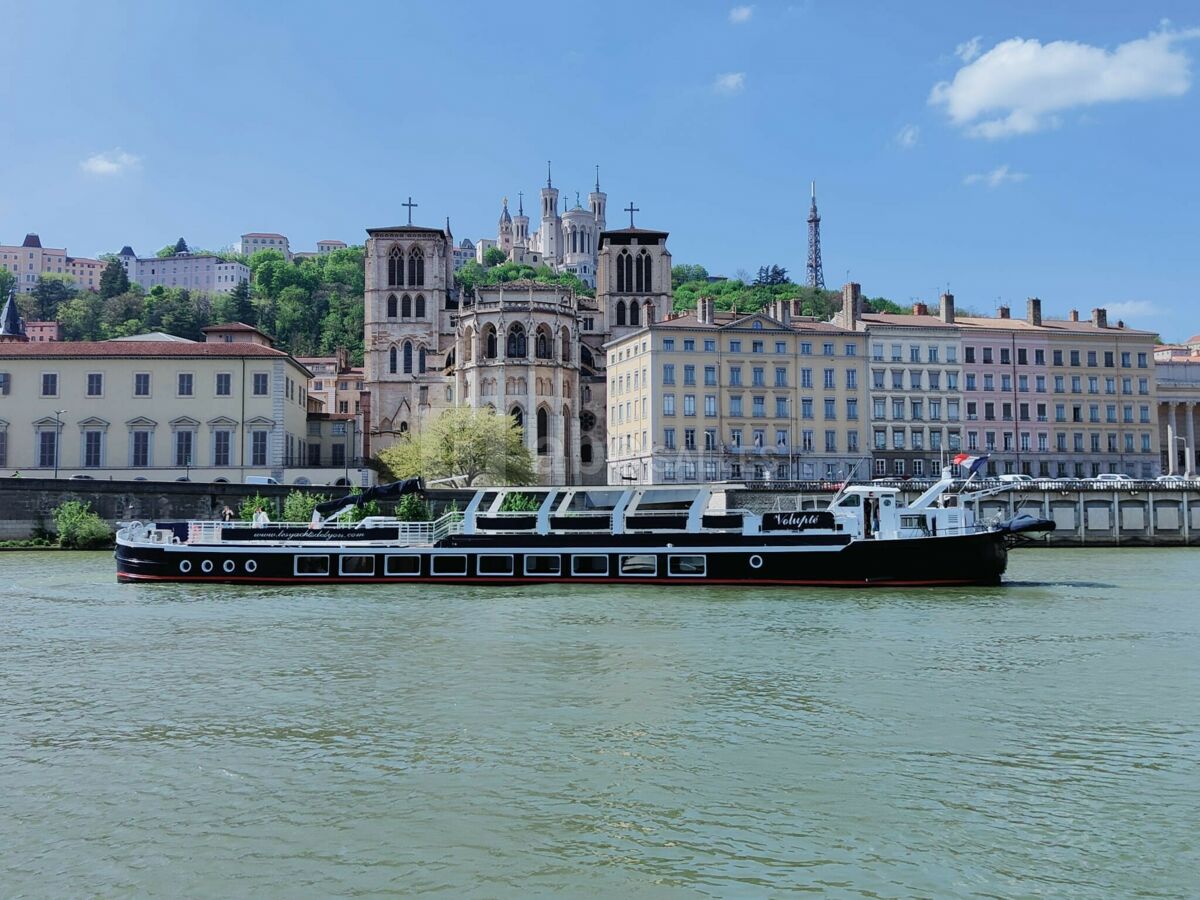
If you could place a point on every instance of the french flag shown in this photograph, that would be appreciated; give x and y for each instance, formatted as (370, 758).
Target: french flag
(971, 462)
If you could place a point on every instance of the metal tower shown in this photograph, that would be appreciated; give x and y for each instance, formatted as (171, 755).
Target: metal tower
(816, 275)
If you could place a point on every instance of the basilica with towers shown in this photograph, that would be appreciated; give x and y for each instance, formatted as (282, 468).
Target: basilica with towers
(529, 350)
(566, 240)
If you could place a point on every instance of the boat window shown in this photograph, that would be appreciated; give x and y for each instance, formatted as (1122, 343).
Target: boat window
(495, 565)
(542, 565)
(449, 565)
(685, 565)
(642, 564)
(358, 565)
(852, 500)
(402, 565)
(589, 565)
(312, 565)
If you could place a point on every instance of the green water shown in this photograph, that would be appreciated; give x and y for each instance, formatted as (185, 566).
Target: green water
(1042, 738)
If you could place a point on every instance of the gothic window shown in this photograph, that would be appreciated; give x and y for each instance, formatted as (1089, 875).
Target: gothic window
(587, 421)
(469, 345)
(421, 361)
(489, 343)
(516, 347)
(542, 347)
(391, 306)
(392, 361)
(643, 272)
(395, 268)
(634, 318)
(407, 358)
(420, 310)
(518, 416)
(620, 311)
(404, 428)
(406, 307)
(416, 268)
(585, 453)
(624, 272)
(543, 432)
(566, 345)
(585, 357)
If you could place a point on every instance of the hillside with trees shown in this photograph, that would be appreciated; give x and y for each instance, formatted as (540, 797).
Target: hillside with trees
(690, 282)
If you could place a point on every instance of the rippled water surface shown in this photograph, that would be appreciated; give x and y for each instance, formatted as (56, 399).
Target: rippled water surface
(1039, 738)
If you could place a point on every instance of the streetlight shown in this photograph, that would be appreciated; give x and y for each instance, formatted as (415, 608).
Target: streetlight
(346, 455)
(58, 413)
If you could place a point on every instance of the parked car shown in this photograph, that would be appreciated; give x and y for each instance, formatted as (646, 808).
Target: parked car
(81, 478)
(1173, 479)
(260, 479)
(1016, 479)
(1112, 478)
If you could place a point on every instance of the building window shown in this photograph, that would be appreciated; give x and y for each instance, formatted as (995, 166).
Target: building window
(184, 441)
(141, 384)
(92, 444)
(47, 448)
(222, 444)
(258, 448)
(49, 384)
(262, 382)
(224, 384)
(139, 448)
(185, 384)
(95, 384)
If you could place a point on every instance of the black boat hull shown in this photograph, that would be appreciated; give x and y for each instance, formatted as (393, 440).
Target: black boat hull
(709, 559)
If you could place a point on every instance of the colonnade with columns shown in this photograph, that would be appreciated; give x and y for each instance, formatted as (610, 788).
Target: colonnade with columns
(1180, 419)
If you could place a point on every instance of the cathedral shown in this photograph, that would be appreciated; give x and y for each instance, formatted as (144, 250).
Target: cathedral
(566, 240)
(529, 350)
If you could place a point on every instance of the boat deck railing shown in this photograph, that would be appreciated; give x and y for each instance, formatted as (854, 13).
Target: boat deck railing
(412, 534)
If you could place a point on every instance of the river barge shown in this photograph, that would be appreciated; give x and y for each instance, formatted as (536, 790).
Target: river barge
(663, 535)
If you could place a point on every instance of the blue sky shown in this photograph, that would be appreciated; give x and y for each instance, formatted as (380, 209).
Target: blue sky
(1007, 150)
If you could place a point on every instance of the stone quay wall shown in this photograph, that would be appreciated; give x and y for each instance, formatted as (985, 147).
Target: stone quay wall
(1136, 516)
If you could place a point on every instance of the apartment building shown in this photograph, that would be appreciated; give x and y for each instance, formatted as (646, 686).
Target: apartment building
(253, 241)
(708, 396)
(1049, 398)
(156, 410)
(31, 261)
(915, 389)
(202, 272)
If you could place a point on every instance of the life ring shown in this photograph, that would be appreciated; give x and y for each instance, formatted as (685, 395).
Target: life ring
(756, 562)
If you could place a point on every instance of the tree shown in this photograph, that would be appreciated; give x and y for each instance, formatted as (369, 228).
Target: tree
(770, 275)
(684, 273)
(8, 282)
(465, 443)
(80, 318)
(51, 292)
(240, 306)
(113, 280)
(494, 256)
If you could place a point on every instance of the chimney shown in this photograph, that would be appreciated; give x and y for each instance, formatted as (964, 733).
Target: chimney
(797, 307)
(1100, 317)
(948, 309)
(851, 304)
(920, 309)
(1074, 316)
(1033, 311)
(1120, 323)
(783, 311)
(704, 310)
(1003, 312)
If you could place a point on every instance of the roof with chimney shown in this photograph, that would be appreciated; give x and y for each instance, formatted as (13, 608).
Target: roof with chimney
(32, 240)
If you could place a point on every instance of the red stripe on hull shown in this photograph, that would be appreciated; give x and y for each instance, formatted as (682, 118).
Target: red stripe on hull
(515, 579)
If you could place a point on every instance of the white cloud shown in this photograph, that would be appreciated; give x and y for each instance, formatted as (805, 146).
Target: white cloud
(740, 15)
(1019, 85)
(968, 50)
(907, 137)
(111, 162)
(730, 83)
(998, 176)
(1126, 309)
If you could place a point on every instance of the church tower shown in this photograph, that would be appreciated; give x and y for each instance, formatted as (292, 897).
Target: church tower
(521, 224)
(504, 237)
(597, 201)
(409, 277)
(633, 278)
(550, 233)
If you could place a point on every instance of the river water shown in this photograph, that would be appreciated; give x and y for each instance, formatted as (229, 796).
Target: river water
(1039, 738)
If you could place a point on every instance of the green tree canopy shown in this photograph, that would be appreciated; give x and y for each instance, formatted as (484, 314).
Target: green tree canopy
(113, 280)
(51, 292)
(494, 256)
(476, 446)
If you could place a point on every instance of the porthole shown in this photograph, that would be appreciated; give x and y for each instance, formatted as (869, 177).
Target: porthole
(251, 565)
(206, 566)
(756, 562)
(229, 565)
(185, 566)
